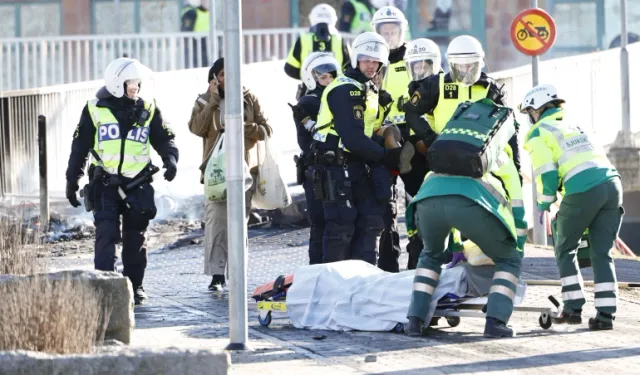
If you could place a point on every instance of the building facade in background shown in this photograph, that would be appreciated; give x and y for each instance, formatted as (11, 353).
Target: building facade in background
(583, 26)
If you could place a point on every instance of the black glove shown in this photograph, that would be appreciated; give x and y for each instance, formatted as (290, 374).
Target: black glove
(299, 113)
(413, 86)
(384, 98)
(172, 168)
(391, 158)
(72, 189)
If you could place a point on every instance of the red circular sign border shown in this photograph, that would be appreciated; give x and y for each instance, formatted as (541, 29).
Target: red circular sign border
(552, 33)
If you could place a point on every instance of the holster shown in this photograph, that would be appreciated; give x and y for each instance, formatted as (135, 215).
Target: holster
(382, 182)
(141, 199)
(317, 183)
(87, 194)
(330, 186)
(301, 166)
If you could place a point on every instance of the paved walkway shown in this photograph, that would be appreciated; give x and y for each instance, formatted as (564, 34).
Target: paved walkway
(181, 312)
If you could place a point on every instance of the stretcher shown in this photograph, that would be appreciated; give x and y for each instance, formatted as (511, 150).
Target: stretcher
(271, 297)
(452, 308)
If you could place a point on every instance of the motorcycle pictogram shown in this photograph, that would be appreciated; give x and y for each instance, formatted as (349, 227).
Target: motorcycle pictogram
(524, 33)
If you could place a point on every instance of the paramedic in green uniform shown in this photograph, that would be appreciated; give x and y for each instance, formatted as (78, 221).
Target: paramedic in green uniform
(565, 159)
(481, 209)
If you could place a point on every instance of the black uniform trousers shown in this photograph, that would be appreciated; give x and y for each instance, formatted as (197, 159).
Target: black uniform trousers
(109, 207)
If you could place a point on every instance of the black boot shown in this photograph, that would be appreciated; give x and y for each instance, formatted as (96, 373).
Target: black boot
(217, 283)
(414, 327)
(139, 296)
(495, 328)
(596, 324)
(568, 318)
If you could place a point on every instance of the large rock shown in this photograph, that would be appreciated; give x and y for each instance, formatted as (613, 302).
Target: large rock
(115, 289)
(122, 362)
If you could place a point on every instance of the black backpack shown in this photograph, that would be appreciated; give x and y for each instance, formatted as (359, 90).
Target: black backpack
(472, 140)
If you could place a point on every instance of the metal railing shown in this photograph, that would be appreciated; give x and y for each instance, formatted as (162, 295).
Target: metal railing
(38, 62)
(175, 93)
(590, 84)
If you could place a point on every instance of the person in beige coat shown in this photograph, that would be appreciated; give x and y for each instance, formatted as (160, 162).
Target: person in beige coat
(207, 122)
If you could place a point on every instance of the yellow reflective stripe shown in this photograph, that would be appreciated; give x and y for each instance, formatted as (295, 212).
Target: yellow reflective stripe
(501, 289)
(556, 133)
(495, 193)
(572, 280)
(490, 188)
(430, 274)
(517, 203)
(572, 295)
(424, 288)
(567, 155)
(605, 302)
(579, 168)
(546, 198)
(506, 276)
(605, 287)
(548, 167)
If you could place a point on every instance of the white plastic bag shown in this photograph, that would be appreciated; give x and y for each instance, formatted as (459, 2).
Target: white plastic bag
(215, 183)
(271, 190)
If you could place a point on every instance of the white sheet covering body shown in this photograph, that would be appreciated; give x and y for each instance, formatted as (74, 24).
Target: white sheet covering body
(355, 295)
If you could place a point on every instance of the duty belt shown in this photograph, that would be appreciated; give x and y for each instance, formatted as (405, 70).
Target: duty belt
(328, 157)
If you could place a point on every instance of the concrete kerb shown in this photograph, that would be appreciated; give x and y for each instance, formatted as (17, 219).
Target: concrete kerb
(113, 287)
(127, 361)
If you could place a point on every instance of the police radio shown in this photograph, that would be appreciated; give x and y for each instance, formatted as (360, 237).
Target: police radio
(144, 116)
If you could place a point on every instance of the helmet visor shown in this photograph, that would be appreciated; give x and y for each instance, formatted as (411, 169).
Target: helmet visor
(325, 73)
(392, 32)
(324, 69)
(465, 73)
(379, 77)
(420, 69)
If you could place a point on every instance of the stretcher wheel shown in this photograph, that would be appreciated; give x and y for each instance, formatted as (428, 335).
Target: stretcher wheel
(266, 321)
(545, 321)
(453, 321)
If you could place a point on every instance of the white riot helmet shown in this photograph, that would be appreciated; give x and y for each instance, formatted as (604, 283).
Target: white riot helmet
(422, 58)
(122, 71)
(391, 23)
(369, 46)
(194, 3)
(323, 13)
(538, 97)
(465, 57)
(317, 64)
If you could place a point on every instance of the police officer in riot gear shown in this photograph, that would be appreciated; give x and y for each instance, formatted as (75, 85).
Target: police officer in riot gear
(439, 95)
(318, 71)
(422, 60)
(391, 24)
(120, 126)
(322, 37)
(343, 150)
